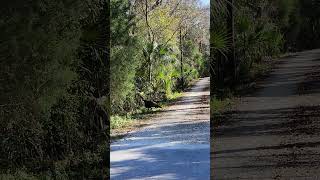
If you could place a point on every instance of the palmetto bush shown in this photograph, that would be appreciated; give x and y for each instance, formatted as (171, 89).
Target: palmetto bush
(257, 34)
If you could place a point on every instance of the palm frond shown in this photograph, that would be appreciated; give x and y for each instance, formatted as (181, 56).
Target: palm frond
(219, 39)
(218, 8)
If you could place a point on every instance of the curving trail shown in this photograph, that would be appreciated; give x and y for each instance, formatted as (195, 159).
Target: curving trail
(175, 146)
(275, 132)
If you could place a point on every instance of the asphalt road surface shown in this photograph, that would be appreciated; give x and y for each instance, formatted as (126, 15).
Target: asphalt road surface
(175, 146)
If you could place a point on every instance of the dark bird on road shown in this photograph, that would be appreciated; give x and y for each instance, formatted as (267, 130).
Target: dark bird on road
(150, 104)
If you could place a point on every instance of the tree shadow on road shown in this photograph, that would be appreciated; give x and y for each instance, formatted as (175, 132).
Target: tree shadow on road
(295, 122)
(162, 160)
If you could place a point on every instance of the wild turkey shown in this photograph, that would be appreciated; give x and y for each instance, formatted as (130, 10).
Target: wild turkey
(150, 104)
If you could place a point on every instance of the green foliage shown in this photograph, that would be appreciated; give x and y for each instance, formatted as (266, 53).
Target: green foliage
(285, 9)
(218, 106)
(22, 175)
(125, 57)
(36, 71)
(145, 56)
(219, 39)
(118, 122)
(45, 129)
(260, 31)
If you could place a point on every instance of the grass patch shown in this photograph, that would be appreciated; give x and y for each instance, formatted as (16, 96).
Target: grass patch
(174, 96)
(119, 122)
(218, 106)
(259, 70)
(144, 113)
(170, 98)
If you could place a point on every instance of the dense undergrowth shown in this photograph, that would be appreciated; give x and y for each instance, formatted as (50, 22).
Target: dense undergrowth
(53, 89)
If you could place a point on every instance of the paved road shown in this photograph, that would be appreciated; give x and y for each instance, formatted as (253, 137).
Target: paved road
(175, 146)
(274, 133)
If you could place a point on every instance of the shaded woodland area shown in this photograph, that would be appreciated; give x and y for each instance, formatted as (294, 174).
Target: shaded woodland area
(245, 35)
(54, 86)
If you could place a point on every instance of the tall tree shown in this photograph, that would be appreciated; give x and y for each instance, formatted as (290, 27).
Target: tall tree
(231, 32)
(181, 58)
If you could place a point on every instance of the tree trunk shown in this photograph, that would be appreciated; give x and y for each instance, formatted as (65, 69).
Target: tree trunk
(216, 63)
(181, 59)
(103, 88)
(231, 32)
(104, 84)
(150, 68)
(151, 40)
